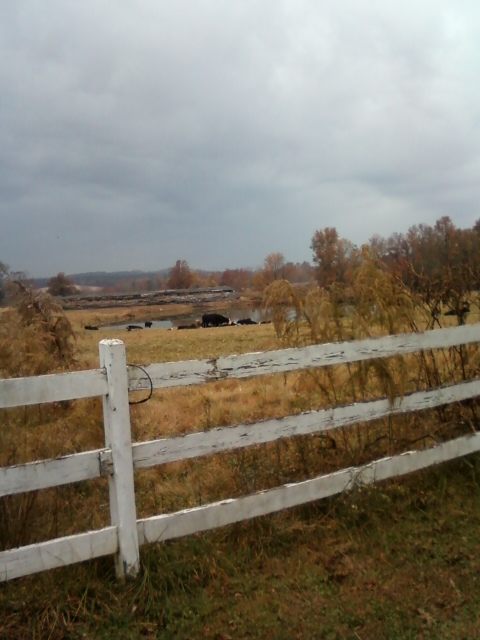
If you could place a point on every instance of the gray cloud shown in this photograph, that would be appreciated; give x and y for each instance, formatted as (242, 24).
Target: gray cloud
(135, 134)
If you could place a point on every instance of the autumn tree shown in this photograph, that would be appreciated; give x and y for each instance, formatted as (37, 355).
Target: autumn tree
(273, 267)
(202, 279)
(299, 272)
(258, 280)
(334, 257)
(439, 263)
(61, 285)
(180, 276)
(198, 281)
(452, 260)
(239, 279)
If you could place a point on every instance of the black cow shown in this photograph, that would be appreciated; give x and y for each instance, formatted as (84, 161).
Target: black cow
(461, 312)
(91, 327)
(133, 326)
(214, 320)
(148, 324)
(246, 321)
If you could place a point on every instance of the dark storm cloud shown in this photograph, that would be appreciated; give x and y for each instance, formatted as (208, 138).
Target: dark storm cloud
(134, 134)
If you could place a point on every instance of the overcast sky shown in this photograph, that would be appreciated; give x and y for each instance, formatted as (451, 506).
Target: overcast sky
(136, 133)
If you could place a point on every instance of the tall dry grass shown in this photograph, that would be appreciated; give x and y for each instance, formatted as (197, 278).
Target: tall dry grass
(37, 338)
(375, 305)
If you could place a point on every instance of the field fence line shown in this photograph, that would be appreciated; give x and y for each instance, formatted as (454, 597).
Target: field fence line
(120, 457)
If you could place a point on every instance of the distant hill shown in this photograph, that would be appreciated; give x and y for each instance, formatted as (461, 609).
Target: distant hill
(105, 279)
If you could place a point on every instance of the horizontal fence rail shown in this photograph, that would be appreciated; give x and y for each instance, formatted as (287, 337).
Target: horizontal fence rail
(210, 516)
(148, 454)
(53, 472)
(176, 374)
(58, 553)
(54, 387)
(84, 384)
(118, 459)
(71, 549)
(93, 464)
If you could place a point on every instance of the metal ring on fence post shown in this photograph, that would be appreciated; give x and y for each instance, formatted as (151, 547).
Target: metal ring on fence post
(149, 379)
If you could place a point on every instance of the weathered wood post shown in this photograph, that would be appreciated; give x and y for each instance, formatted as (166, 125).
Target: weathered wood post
(116, 416)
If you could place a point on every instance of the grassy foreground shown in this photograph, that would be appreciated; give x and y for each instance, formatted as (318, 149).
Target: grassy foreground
(398, 560)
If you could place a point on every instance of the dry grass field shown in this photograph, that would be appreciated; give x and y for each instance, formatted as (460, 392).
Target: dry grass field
(398, 560)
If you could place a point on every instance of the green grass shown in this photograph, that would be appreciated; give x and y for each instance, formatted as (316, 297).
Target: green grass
(398, 560)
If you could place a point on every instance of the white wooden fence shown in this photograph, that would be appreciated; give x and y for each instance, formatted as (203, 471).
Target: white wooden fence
(118, 459)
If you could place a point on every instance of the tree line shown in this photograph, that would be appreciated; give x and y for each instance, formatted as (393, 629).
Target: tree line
(440, 262)
(179, 276)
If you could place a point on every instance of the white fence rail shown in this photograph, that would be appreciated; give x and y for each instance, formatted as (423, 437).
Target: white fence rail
(118, 459)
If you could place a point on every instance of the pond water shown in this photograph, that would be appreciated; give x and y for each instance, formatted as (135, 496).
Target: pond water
(157, 324)
(234, 313)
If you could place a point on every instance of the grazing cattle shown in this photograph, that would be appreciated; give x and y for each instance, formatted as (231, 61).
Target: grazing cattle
(461, 312)
(148, 324)
(214, 320)
(133, 326)
(91, 327)
(246, 321)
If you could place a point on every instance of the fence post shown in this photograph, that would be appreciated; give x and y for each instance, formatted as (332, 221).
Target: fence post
(116, 415)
